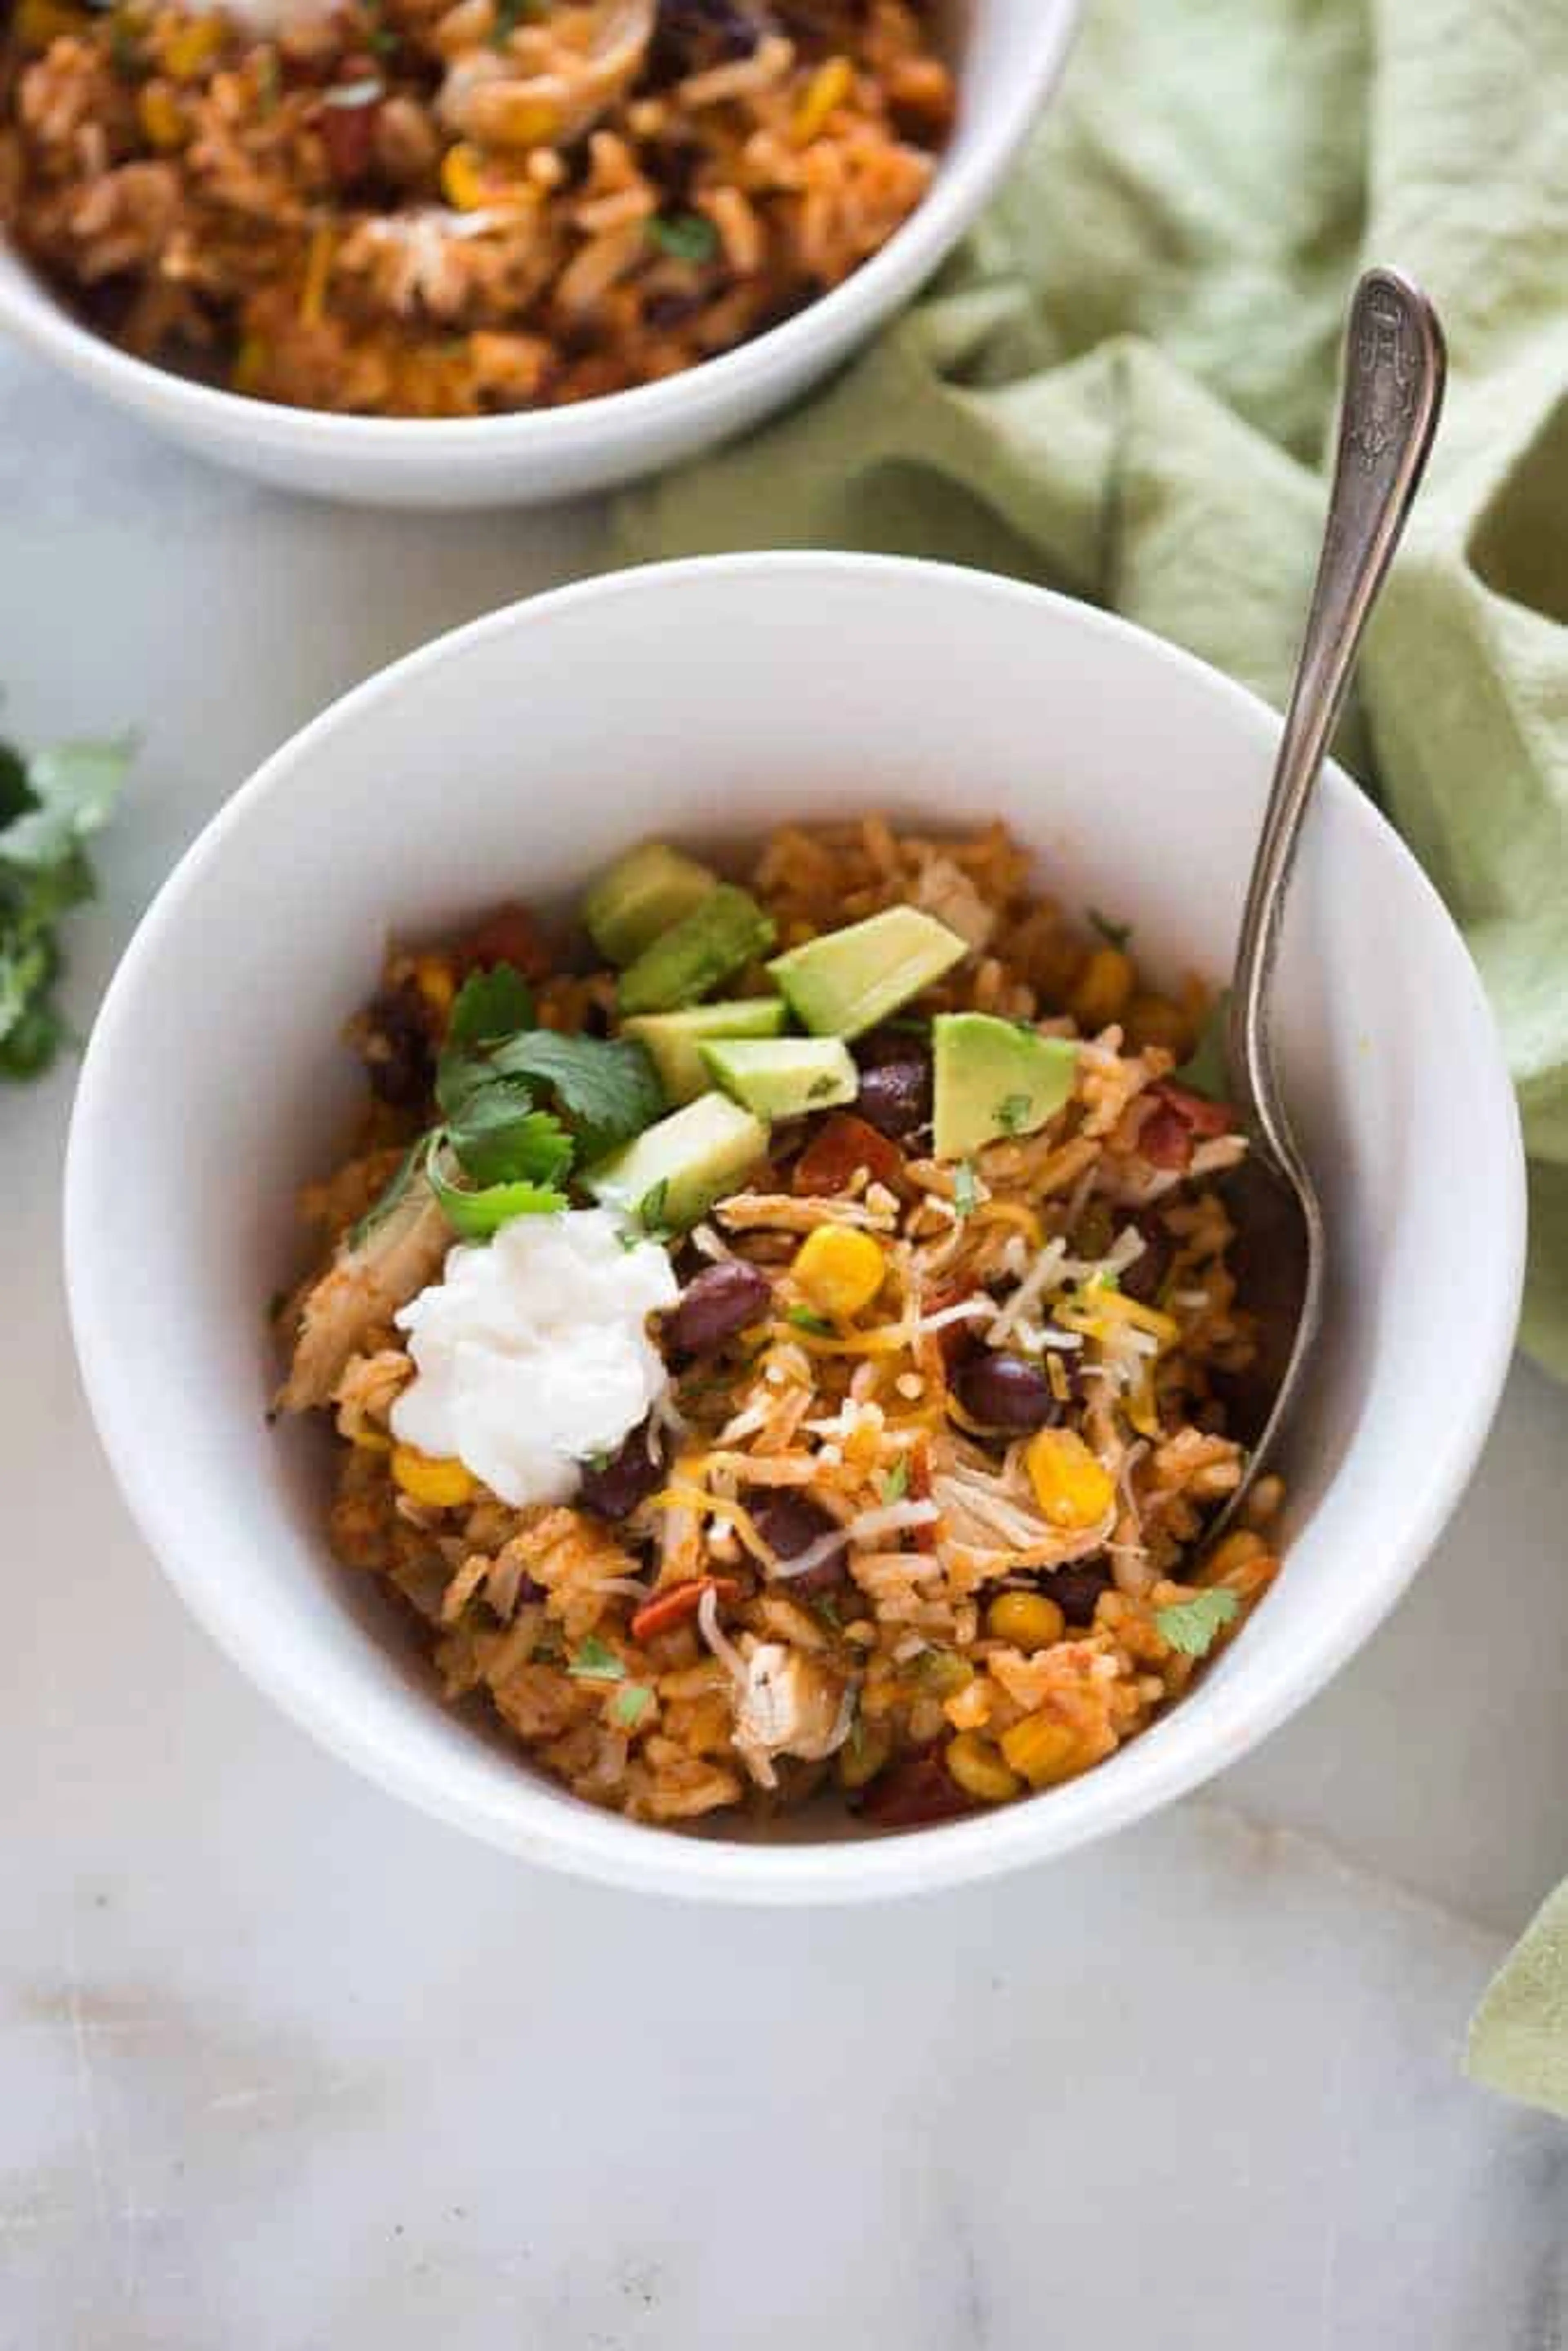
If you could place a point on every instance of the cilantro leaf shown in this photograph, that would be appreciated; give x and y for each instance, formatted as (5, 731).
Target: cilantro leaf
(804, 1320)
(479, 1216)
(685, 237)
(593, 1661)
(895, 1482)
(1115, 935)
(1204, 1070)
(1011, 1112)
(490, 1003)
(649, 1215)
(500, 1138)
(608, 1085)
(1193, 1625)
(965, 1199)
(628, 1707)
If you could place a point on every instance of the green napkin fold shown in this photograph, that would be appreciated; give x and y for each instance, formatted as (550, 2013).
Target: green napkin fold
(1123, 387)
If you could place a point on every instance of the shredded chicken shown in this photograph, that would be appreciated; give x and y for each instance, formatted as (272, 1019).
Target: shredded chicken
(361, 1291)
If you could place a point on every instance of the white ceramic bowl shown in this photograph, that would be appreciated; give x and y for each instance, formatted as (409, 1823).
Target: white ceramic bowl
(706, 701)
(1010, 54)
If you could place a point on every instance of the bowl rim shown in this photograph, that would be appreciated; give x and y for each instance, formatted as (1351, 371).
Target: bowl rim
(842, 317)
(603, 1847)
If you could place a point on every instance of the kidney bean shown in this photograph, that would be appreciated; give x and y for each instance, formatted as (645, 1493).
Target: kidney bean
(789, 1522)
(914, 1790)
(896, 1082)
(841, 1145)
(615, 1489)
(1004, 1392)
(349, 136)
(721, 1299)
(1142, 1278)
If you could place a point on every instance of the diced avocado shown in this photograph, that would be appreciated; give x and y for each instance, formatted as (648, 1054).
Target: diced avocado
(674, 1171)
(726, 930)
(846, 981)
(784, 1077)
(993, 1078)
(673, 1038)
(648, 891)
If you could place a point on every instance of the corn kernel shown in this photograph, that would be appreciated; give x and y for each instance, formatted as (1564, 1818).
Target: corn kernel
(162, 122)
(976, 1765)
(829, 86)
(1102, 989)
(1042, 1750)
(440, 1485)
(1073, 1489)
(1025, 1620)
(514, 118)
(461, 182)
(192, 48)
(840, 1270)
(1155, 1020)
(370, 1440)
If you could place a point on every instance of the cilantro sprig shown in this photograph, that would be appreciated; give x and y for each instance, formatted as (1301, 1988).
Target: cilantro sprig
(1194, 1625)
(50, 806)
(501, 1151)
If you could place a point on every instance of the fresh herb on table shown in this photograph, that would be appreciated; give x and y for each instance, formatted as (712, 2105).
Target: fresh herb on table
(50, 806)
(685, 237)
(1194, 1625)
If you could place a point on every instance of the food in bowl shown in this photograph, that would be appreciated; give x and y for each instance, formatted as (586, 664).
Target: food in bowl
(790, 1346)
(398, 208)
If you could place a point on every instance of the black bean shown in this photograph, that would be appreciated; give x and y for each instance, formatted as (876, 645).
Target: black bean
(1076, 1588)
(896, 1082)
(1004, 1392)
(614, 1487)
(1144, 1277)
(721, 1300)
(790, 1524)
(397, 1051)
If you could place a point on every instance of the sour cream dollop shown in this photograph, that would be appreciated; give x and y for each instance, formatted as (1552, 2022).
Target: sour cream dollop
(532, 1352)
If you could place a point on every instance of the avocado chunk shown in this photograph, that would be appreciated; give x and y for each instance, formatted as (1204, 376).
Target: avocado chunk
(648, 891)
(673, 1039)
(845, 982)
(726, 930)
(676, 1170)
(784, 1077)
(993, 1078)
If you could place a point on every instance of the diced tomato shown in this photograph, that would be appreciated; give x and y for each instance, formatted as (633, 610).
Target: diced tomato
(841, 1145)
(916, 1790)
(1178, 1119)
(681, 1601)
(349, 135)
(510, 936)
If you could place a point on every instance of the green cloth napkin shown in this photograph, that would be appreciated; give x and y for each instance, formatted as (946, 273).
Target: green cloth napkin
(1123, 387)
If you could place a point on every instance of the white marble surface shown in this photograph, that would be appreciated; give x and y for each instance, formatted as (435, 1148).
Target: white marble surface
(286, 2066)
